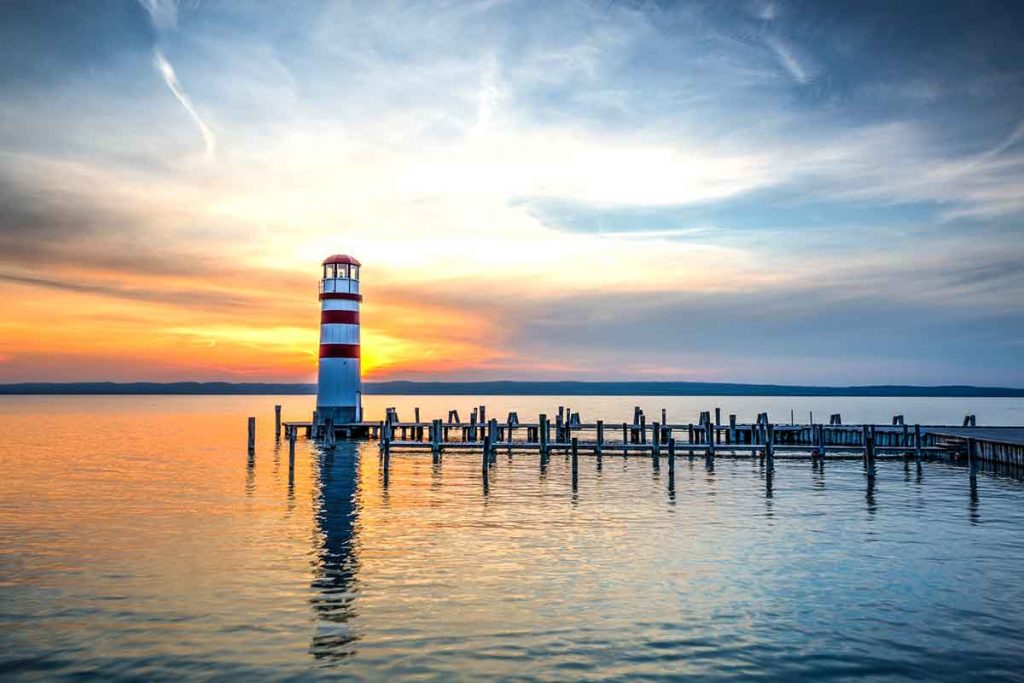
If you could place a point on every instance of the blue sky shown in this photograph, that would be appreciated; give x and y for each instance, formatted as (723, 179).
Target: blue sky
(744, 191)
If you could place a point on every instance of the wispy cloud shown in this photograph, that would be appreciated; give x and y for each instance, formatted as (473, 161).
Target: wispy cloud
(788, 59)
(166, 71)
(163, 14)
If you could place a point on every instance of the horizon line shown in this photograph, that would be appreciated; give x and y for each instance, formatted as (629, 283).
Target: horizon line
(512, 387)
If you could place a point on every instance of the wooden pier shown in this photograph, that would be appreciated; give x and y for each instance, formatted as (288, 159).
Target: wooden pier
(709, 437)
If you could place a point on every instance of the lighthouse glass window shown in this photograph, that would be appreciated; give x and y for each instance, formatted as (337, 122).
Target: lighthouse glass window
(342, 270)
(354, 270)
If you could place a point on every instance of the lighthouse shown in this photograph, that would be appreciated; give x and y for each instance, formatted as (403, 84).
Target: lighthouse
(338, 389)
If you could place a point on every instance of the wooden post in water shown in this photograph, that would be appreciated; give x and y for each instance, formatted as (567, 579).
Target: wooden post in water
(543, 434)
(917, 444)
(485, 457)
(864, 442)
(671, 458)
(655, 446)
(709, 433)
(435, 439)
(495, 431)
(972, 457)
(600, 437)
(277, 423)
(252, 434)
(769, 448)
(575, 464)
(643, 428)
(869, 452)
(291, 448)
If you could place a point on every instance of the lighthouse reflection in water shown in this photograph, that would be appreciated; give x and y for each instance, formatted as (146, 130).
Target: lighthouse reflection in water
(335, 567)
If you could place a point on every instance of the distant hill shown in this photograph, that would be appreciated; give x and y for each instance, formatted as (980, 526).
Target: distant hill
(512, 388)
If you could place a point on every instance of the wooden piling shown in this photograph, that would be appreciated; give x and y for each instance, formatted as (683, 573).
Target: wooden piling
(972, 457)
(252, 434)
(291, 448)
(655, 440)
(864, 444)
(575, 463)
(543, 421)
(493, 434)
(485, 458)
(600, 437)
(917, 444)
(671, 458)
(869, 452)
(709, 434)
(277, 423)
(769, 448)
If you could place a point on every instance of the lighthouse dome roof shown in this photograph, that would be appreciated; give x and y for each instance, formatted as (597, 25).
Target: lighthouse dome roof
(341, 258)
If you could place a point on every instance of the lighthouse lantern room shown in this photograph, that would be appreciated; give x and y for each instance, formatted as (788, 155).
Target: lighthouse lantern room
(338, 389)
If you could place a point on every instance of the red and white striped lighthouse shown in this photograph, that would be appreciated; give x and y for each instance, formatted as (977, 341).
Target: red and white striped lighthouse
(338, 389)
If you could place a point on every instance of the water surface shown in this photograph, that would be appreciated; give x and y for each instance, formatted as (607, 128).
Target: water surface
(138, 539)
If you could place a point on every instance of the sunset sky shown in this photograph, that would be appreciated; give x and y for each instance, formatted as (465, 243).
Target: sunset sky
(787, 192)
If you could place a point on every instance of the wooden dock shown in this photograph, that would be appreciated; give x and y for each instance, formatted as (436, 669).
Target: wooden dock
(709, 437)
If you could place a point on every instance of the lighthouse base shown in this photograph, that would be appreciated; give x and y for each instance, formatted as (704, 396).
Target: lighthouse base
(337, 414)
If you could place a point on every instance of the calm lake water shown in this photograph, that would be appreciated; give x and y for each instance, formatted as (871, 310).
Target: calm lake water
(138, 540)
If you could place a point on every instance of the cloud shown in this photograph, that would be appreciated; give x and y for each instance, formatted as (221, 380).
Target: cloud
(164, 16)
(579, 180)
(787, 58)
(166, 72)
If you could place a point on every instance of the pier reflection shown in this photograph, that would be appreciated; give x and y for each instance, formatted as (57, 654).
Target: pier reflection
(335, 564)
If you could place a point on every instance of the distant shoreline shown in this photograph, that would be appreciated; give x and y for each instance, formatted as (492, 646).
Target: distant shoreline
(507, 388)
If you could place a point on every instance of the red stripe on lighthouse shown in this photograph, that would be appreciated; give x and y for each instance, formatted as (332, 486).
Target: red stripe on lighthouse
(339, 317)
(339, 350)
(340, 295)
